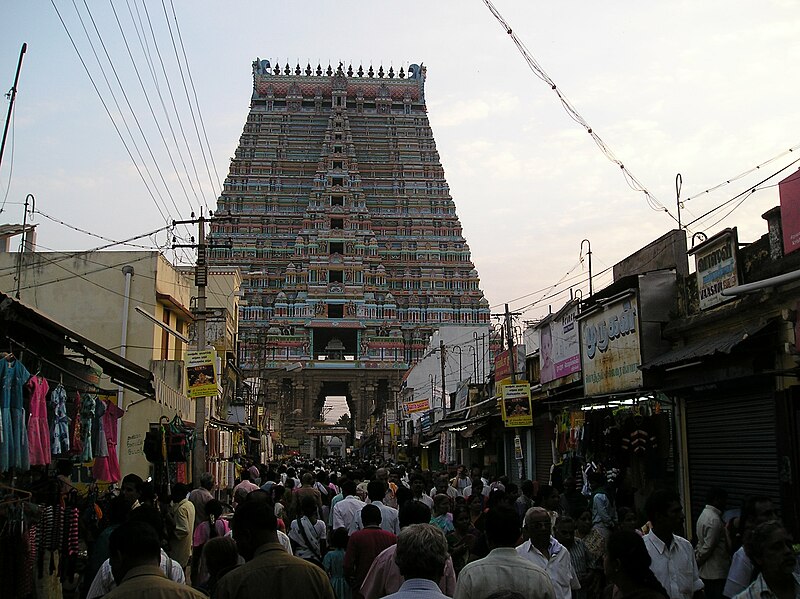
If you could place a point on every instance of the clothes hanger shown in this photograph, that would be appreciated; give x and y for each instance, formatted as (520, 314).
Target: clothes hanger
(24, 495)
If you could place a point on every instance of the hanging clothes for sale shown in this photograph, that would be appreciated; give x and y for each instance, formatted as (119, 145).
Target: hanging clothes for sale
(59, 431)
(38, 429)
(14, 448)
(99, 447)
(106, 467)
(77, 428)
(87, 420)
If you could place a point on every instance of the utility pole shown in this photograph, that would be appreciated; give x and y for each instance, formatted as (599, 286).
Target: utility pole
(12, 94)
(444, 387)
(200, 281)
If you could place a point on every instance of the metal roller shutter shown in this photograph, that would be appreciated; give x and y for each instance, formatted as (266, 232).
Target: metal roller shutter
(731, 444)
(543, 448)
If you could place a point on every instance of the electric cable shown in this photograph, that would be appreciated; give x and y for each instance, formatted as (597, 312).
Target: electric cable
(174, 107)
(127, 101)
(191, 108)
(197, 103)
(108, 112)
(573, 113)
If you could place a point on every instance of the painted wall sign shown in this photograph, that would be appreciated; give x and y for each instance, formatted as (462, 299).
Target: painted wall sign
(610, 349)
(560, 351)
(715, 263)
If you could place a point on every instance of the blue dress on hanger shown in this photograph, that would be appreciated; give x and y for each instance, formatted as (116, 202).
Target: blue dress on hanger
(14, 445)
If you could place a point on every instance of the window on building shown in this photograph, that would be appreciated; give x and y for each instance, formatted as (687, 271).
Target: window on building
(336, 276)
(337, 136)
(337, 200)
(337, 223)
(338, 181)
(337, 247)
(338, 164)
(335, 310)
(165, 335)
(338, 100)
(179, 324)
(337, 149)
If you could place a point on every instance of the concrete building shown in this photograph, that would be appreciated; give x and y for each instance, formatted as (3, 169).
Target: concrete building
(90, 291)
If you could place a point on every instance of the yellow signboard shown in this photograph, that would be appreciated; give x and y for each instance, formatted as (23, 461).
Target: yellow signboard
(517, 404)
(201, 373)
(423, 405)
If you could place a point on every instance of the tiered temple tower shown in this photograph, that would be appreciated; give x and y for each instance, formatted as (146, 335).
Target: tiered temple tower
(347, 237)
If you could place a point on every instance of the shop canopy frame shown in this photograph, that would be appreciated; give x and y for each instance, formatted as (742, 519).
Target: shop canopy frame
(36, 328)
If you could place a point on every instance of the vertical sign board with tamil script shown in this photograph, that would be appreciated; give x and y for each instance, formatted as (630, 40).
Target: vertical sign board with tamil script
(610, 348)
(716, 266)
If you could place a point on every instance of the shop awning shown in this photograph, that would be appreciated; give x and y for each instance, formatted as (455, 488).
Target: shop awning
(39, 327)
(429, 443)
(720, 343)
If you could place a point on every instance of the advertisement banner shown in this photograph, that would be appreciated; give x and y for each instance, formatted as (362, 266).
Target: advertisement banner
(502, 363)
(517, 404)
(610, 349)
(201, 373)
(462, 395)
(789, 190)
(715, 263)
(560, 351)
(422, 405)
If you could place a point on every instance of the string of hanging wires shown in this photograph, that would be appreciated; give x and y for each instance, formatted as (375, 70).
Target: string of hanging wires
(145, 42)
(573, 113)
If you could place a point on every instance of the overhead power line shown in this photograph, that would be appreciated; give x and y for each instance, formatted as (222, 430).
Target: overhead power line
(573, 113)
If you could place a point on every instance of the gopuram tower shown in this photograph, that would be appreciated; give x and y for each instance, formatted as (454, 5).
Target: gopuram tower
(343, 226)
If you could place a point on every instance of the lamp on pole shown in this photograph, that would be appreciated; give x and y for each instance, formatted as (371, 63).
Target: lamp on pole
(589, 254)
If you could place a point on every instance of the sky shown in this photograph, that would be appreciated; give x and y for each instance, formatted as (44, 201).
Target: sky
(703, 89)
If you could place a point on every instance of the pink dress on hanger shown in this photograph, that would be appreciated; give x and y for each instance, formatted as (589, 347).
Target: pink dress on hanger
(106, 467)
(38, 429)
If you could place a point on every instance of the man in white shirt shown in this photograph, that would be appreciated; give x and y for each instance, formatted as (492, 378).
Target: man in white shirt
(757, 509)
(770, 546)
(443, 487)
(345, 511)
(713, 549)
(418, 490)
(478, 487)
(503, 569)
(376, 490)
(673, 561)
(546, 552)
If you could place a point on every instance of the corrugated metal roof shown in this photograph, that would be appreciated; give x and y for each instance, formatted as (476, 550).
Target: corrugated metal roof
(720, 343)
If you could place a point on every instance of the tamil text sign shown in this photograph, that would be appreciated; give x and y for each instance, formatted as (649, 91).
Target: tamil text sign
(422, 405)
(502, 363)
(517, 404)
(715, 263)
(610, 349)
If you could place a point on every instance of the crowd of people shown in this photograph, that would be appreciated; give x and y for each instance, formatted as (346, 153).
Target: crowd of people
(364, 532)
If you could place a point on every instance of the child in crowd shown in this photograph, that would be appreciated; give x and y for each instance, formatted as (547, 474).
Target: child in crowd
(334, 564)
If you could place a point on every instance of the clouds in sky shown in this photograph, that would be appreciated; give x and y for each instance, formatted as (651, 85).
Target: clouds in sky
(705, 89)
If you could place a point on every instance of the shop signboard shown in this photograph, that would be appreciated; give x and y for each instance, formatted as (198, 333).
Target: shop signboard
(462, 395)
(716, 266)
(421, 405)
(517, 404)
(559, 349)
(502, 363)
(789, 190)
(201, 373)
(610, 349)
